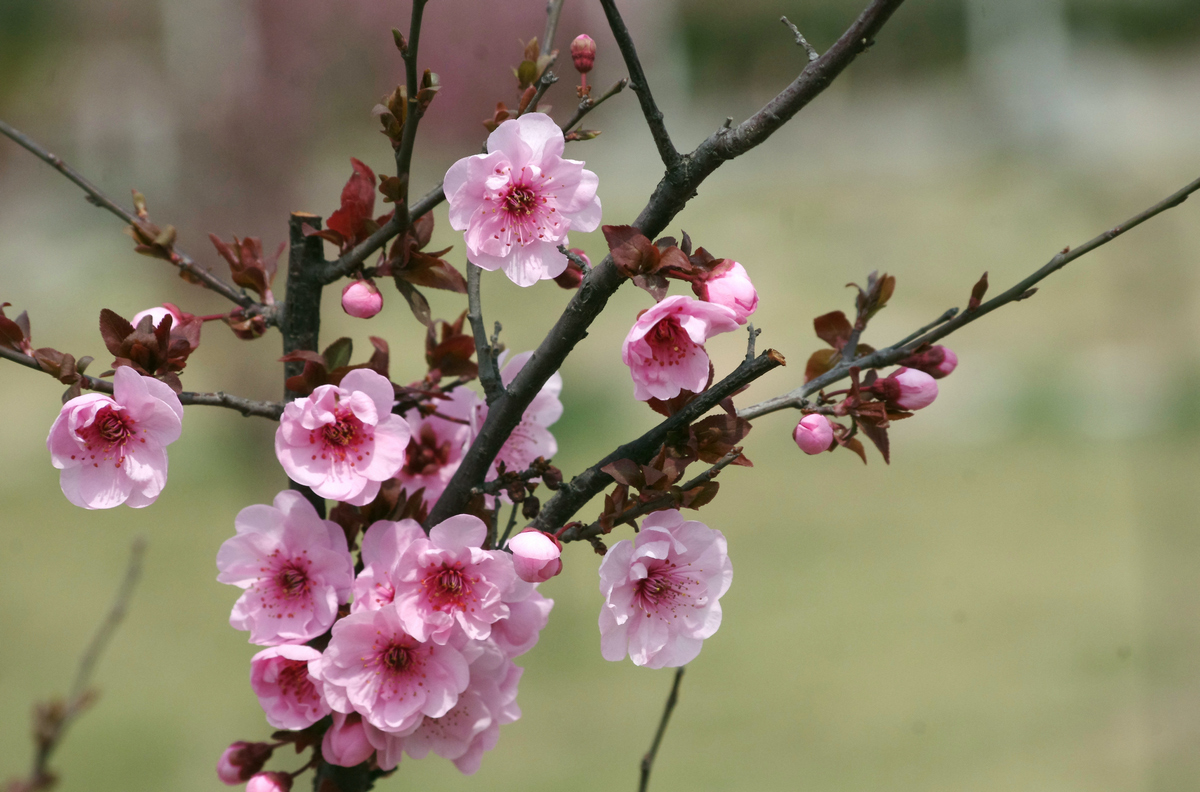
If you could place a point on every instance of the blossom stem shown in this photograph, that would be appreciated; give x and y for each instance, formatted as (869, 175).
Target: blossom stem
(489, 371)
(648, 759)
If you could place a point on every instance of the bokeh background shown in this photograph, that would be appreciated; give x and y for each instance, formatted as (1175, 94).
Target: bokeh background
(1013, 604)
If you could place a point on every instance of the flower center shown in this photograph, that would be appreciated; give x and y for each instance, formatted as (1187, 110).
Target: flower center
(668, 342)
(448, 588)
(110, 426)
(340, 433)
(660, 590)
(424, 454)
(520, 200)
(397, 657)
(294, 681)
(342, 439)
(292, 580)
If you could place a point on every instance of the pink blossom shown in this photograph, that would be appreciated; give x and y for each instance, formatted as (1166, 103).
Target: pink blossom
(361, 299)
(731, 288)
(664, 350)
(906, 388)
(113, 449)
(241, 760)
(438, 444)
(279, 677)
(345, 743)
(343, 440)
(269, 782)
(383, 544)
(517, 202)
(294, 566)
(451, 585)
(535, 555)
(813, 434)
(528, 614)
(374, 667)
(530, 438)
(661, 591)
(583, 53)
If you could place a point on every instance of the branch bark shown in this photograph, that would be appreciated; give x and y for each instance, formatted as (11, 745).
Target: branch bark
(489, 371)
(648, 759)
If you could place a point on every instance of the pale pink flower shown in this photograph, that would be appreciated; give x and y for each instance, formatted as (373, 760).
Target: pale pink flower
(374, 667)
(343, 440)
(294, 566)
(517, 202)
(113, 449)
(530, 438)
(451, 585)
(437, 445)
(906, 388)
(269, 782)
(535, 555)
(813, 434)
(661, 591)
(279, 677)
(345, 743)
(241, 760)
(528, 614)
(361, 299)
(731, 288)
(383, 544)
(664, 349)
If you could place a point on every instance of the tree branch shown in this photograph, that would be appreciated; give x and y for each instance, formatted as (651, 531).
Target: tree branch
(952, 320)
(648, 759)
(571, 497)
(97, 197)
(553, 10)
(588, 104)
(803, 42)
(489, 371)
(654, 117)
(677, 186)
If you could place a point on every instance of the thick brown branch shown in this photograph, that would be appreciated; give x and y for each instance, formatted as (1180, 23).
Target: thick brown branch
(952, 320)
(648, 759)
(97, 197)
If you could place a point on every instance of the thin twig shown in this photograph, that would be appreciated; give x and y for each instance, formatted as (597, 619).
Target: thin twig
(512, 521)
(952, 320)
(553, 10)
(97, 197)
(654, 117)
(803, 42)
(588, 104)
(544, 82)
(648, 759)
(753, 334)
(263, 409)
(489, 371)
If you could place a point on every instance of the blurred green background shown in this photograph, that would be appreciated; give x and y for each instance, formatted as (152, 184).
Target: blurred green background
(1013, 604)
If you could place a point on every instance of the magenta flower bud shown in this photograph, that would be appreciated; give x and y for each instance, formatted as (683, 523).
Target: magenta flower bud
(732, 289)
(937, 361)
(906, 388)
(583, 53)
(536, 555)
(270, 782)
(361, 299)
(813, 434)
(242, 760)
(345, 743)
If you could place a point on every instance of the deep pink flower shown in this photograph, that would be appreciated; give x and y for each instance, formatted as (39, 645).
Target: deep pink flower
(535, 555)
(517, 202)
(906, 388)
(664, 349)
(269, 782)
(528, 614)
(530, 439)
(450, 584)
(241, 760)
(345, 743)
(361, 299)
(661, 591)
(295, 568)
(279, 677)
(343, 440)
(731, 288)
(437, 445)
(583, 53)
(383, 544)
(374, 667)
(813, 434)
(113, 449)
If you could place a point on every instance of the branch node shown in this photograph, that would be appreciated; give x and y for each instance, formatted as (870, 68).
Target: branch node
(803, 42)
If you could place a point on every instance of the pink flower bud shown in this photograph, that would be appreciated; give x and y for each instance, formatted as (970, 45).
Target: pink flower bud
(156, 315)
(270, 782)
(937, 361)
(242, 760)
(536, 555)
(583, 53)
(906, 388)
(361, 299)
(572, 276)
(732, 289)
(345, 743)
(813, 434)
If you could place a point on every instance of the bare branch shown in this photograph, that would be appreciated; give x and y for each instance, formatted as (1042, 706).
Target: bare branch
(588, 104)
(97, 197)
(648, 759)
(803, 42)
(489, 371)
(654, 117)
(544, 82)
(553, 10)
(952, 320)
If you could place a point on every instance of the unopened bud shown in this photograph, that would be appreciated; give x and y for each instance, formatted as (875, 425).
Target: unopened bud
(906, 388)
(813, 434)
(937, 361)
(583, 53)
(536, 555)
(572, 276)
(270, 782)
(242, 760)
(361, 299)
(245, 327)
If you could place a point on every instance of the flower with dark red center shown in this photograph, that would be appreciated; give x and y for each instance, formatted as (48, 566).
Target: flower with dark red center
(374, 667)
(279, 677)
(517, 202)
(295, 567)
(531, 438)
(665, 348)
(438, 443)
(113, 449)
(383, 544)
(450, 584)
(343, 440)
